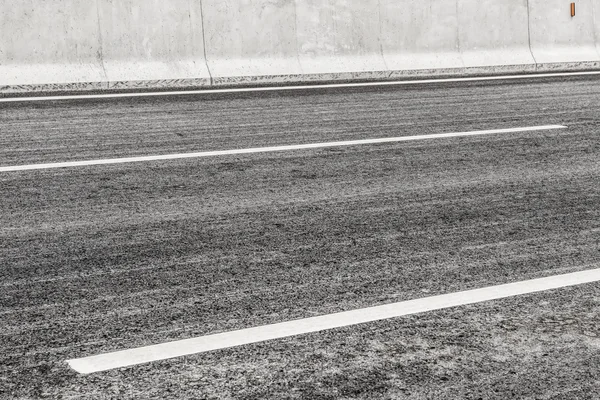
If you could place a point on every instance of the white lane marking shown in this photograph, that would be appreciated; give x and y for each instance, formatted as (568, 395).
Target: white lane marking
(270, 149)
(142, 355)
(300, 87)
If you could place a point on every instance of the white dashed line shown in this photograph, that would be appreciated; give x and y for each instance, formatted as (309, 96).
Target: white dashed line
(202, 344)
(70, 164)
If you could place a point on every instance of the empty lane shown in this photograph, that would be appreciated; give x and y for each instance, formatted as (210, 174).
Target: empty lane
(112, 257)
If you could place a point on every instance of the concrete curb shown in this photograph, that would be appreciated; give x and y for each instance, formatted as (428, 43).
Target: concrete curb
(284, 80)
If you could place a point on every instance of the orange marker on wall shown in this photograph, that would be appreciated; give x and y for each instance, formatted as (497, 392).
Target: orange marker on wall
(572, 9)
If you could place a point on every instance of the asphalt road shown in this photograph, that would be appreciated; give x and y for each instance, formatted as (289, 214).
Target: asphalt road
(103, 258)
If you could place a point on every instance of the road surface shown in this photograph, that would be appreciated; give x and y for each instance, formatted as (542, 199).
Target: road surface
(101, 258)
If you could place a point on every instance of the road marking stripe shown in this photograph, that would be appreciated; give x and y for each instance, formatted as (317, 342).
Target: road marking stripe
(141, 355)
(300, 87)
(270, 149)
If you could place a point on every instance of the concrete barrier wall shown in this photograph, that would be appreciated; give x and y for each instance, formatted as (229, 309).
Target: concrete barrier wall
(152, 40)
(494, 33)
(251, 38)
(596, 10)
(76, 44)
(339, 37)
(557, 38)
(41, 43)
(420, 35)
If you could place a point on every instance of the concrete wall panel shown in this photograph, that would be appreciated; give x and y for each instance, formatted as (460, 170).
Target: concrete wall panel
(49, 42)
(556, 37)
(250, 38)
(71, 44)
(419, 34)
(339, 36)
(596, 11)
(494, 33)
(153, 40)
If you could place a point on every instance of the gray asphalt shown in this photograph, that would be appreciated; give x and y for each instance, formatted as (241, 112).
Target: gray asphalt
(103, 258)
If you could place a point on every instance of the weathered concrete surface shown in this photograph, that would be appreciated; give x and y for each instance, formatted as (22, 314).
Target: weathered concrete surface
(153, 40)
(43, 44)
(104, 44)
(494, 33)
(596, 11)
(251, 39)
(559, 40)
(419, 35)
(339, 36)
